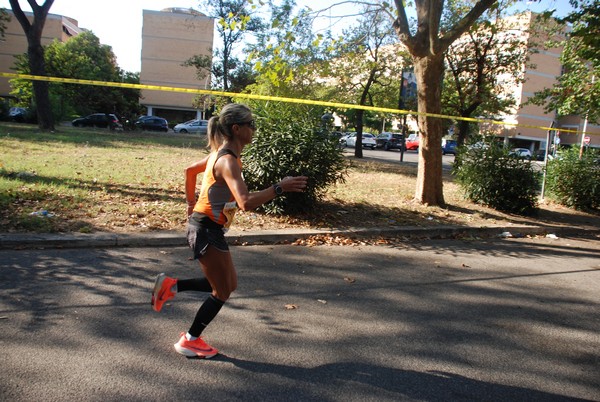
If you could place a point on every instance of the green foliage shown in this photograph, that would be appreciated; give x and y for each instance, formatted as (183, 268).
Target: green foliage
(585, 20)
(289, 142)
(492, 48)
(575, 182)
(4, 18)
(490, 176)
(82, 57)
(288, 51)
(577, 91)
(367, 67)
(235, 19)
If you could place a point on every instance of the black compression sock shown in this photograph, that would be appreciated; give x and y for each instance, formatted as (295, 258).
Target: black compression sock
(196, 284)
(209, 310)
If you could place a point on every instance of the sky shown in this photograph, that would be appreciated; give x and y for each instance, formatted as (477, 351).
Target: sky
(118, 23)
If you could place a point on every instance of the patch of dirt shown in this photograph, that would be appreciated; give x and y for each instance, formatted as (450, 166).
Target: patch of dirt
(344, 216)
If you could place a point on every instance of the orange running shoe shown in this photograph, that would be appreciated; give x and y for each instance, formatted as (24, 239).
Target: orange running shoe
(162, 291)
(195, 348)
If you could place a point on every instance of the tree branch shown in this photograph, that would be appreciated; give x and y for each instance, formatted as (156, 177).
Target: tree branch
(21, 17)
(464, 24)
(434, 16)
(401, 25)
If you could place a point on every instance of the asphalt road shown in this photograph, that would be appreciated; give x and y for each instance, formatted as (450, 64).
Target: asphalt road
(409, 157)
(394, 155)
(437, 320)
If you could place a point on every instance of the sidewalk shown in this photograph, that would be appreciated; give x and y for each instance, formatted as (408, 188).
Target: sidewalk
(176, 238)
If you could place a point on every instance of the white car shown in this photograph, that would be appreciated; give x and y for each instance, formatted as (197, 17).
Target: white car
(192, 126)
(521, 152)
(349, 140)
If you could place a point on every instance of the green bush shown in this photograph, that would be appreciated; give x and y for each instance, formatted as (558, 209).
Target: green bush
(574, 182)
(490, 176)
(289, 142)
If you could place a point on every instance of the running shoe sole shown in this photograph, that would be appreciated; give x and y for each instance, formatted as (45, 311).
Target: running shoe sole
(160, 278)
(191, 351)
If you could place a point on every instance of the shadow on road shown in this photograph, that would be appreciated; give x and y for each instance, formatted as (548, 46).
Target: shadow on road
(413, 385)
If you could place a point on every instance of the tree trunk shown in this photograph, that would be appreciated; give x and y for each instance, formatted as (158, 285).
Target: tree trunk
(225, 71)
(358, 149)
(427, 46)
(463, 132)
(40, 88)
(35, 52)
(429, 72)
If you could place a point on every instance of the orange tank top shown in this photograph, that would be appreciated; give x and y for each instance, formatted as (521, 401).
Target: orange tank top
(216, 200)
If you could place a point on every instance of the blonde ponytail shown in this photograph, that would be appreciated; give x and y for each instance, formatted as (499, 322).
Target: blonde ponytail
(214, 133)
(219, 127)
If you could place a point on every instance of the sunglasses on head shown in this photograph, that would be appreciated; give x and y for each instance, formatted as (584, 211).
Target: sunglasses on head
(251, 124)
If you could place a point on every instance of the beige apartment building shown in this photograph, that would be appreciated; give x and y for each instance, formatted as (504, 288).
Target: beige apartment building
(15, 42)
(169, 38)
(543, 69)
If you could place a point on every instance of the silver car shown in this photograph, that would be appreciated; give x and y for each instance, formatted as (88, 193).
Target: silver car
(349, 140)
(192, 126)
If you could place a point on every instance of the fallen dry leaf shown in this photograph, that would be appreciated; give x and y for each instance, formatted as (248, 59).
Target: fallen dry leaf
(349, 280)
(330, 240)
(291, 306)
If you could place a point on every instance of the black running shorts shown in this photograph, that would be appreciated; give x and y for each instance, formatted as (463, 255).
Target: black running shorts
(200, 237)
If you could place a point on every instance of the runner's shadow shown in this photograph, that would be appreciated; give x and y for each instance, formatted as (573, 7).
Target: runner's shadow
(408, 384)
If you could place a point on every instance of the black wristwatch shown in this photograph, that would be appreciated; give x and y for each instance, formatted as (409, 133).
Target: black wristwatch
(278, 189)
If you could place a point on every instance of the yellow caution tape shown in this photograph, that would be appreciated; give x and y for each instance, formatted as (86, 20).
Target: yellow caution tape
(275, 98)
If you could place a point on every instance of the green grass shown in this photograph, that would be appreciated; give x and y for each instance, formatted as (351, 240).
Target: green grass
(96, 180)
(93, 179)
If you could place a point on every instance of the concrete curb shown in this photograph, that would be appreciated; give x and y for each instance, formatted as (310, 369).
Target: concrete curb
(177, 239)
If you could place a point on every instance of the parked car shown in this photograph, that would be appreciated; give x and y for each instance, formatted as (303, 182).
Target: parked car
(521, 153)
(152, 123)
(349, 140)
(540, 155)
(102, 120)
(412, 142)
(448, 147)
(17, 114)
(143, 118)
(192, 126)
(389, 141)
(336, 135)
(478, 145)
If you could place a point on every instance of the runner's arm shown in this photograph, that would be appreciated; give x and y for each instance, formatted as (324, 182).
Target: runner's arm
(228, 168)
(191, 178)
